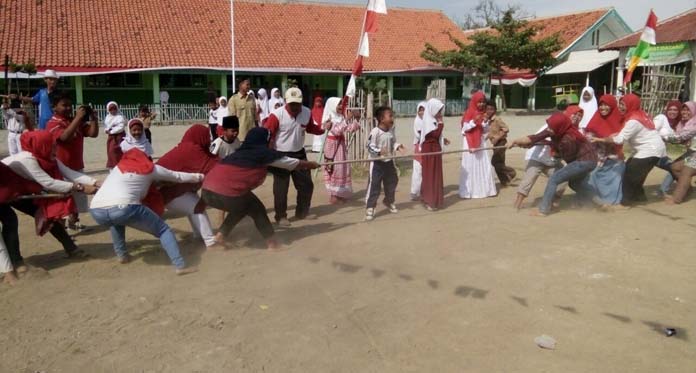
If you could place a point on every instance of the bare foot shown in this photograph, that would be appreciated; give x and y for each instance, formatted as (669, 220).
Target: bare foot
(125, 259)
(21, 268)
(185, 271)
(537, 213)
(10, 278)
(273, 245)
(620, 208)
(218, 246)
(669, 200)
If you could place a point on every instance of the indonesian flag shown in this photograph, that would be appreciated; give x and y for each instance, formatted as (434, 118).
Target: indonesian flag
(642, 50)
(374, 7)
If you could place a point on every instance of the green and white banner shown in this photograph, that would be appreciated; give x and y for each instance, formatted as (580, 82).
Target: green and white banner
(664, 54)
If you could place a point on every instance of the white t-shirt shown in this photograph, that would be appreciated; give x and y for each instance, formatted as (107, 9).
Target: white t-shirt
(25, 165)
(129, 188)
(540, 153)
(645, 143)
(222, 148)
(662, 126)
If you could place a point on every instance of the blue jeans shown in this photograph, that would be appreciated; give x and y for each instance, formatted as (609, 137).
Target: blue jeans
(576, 174)
(142, 219)
(666, 164)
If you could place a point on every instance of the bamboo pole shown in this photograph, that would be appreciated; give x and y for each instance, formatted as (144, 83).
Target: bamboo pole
(41, 196)
(411, 156)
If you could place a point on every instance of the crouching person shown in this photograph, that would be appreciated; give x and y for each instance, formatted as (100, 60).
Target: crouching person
(118, 204)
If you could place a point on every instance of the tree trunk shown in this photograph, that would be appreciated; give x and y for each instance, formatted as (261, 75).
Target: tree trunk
(502, 93)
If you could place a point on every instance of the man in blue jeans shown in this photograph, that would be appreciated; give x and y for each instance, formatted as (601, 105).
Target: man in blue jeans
(43, 98)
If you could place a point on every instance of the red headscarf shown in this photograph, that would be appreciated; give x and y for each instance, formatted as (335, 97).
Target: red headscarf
(191, 155)
(14, 185)
(473, 136)
(317, 110)
(561, 125)
(674, 104)
(612, 124)
(634, 112)
(135, 161)
(40, 145)
(572, 110)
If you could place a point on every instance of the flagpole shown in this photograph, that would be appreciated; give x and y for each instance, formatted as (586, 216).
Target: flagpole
(234, 73)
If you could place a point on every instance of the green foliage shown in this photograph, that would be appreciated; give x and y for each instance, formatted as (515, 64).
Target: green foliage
(28, 68)
(508, 43)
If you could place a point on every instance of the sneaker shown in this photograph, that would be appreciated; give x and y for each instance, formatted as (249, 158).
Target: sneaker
(415, 198)
(283, 222)
(370, 214)
(185, 271)
(392, 208)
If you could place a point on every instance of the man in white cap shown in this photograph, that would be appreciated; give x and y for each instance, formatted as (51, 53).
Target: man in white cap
(287, 125)
(43, 99)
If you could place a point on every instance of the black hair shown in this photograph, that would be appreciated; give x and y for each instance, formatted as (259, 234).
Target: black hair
(143, 107)
(491, 103)
(58, 96)
(15, 103)
(379, 113)
(242, 80)
(562, 105)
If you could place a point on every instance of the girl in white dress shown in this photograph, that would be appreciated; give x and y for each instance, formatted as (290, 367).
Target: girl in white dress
(476, 178)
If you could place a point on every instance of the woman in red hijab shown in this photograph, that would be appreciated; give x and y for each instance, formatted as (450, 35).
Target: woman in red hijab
(191, 155)
(607, 178)
(647, 145)
(574, 149)
(684, 168)
(476, 176)
(37, 163)
(317, 114)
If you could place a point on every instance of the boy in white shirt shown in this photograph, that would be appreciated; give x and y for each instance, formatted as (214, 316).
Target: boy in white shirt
(382, 143)
(17, 122)
(228, 143)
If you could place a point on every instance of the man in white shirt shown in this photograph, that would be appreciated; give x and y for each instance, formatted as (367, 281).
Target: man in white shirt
(17, 122)
(288, 125)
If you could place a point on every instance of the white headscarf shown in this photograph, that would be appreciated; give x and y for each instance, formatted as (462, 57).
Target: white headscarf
(222, 111)
(330, 112)
(272, 101)
(588, 108)
(418, 123)
(432, 107)
(115, 123)
(129, 142)
(262, 104)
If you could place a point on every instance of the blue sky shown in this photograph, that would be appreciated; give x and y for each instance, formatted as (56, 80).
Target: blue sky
(635, 12)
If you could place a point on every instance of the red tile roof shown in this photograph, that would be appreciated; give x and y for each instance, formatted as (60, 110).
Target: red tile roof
(131, 34)
(681, 27)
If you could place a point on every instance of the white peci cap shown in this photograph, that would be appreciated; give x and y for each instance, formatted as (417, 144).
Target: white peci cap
(293, 95)
(51, 74)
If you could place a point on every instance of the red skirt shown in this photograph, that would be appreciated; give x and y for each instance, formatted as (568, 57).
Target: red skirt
(432, 192)
(113, 149)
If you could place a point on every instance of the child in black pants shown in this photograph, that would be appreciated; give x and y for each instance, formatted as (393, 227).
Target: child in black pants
(382, 143)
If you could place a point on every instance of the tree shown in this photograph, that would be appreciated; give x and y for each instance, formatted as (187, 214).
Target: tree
(510, 43)
(486, 13)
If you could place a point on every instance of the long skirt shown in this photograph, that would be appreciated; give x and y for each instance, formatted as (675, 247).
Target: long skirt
(113, 149)
(317, 143)
(432, 192)
(416, 175)
(337, 178)
(606, 181)
(476, 177)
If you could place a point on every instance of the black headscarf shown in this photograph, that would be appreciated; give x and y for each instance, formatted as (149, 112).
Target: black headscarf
(254, 151)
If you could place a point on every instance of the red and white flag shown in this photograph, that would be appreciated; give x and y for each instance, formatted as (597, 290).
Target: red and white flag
(374, 7)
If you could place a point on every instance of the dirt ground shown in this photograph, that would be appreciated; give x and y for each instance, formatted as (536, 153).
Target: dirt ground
(464, 289)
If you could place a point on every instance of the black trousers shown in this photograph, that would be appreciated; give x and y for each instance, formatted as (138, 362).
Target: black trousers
(637, 170)
(239, 207)
(505, 173)
(213, 130)
(10, 233)
(382, 173)
(57, 230)
(302, 179)
(148, 135)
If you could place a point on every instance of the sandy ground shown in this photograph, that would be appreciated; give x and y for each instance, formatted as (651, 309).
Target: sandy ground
(465, 289)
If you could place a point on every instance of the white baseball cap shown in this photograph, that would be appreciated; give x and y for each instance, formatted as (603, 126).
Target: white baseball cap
(293, 95)
(50, 74)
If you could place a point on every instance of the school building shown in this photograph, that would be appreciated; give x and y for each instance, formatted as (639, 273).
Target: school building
(132, 50)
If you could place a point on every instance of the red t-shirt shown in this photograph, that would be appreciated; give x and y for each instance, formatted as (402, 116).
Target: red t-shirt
(69, 152)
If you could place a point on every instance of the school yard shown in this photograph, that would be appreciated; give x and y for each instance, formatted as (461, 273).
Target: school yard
(465, 289)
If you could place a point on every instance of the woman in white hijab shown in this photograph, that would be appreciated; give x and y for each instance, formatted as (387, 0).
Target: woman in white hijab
(262, 105)
(417, 174)
(114, 127)
(136, 138)
(222, 111)
(432, 141)
(337, 178)
(276, 100)
(589, 106)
